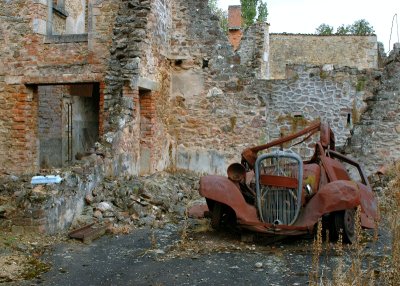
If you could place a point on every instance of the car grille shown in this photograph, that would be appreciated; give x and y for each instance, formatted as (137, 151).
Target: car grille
(278, 205)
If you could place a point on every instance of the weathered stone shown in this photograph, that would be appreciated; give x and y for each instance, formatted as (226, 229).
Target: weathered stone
(98, 214)
(104, 206)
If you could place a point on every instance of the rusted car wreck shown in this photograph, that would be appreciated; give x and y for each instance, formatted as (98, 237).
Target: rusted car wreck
(279, 193)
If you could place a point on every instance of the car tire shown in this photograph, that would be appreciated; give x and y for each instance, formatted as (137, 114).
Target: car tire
(216, 216)
(343, 222)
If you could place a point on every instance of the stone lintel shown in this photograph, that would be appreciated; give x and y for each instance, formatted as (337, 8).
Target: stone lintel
(177, 57)
(148, 84)
(72, 38)
(62, 79)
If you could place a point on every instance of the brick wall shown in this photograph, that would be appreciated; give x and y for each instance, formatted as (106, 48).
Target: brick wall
(36, 59)
(235, 36)
(235, 25)
(139, 66)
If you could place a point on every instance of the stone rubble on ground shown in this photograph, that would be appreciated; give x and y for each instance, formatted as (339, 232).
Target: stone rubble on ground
(143, 201)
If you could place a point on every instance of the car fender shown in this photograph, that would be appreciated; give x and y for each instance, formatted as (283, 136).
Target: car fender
(369, 207)
(336, 196)
(223, 190)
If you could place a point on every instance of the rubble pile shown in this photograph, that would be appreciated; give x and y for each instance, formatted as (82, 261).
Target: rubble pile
(143, 201)
(139, 201)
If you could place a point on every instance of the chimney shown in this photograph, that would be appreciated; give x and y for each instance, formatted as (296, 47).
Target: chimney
(235, 25)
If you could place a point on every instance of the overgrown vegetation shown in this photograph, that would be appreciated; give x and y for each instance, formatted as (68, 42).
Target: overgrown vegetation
(253, 11)
(324, 29)
(360, 28)
(354, 264)
(220, 13)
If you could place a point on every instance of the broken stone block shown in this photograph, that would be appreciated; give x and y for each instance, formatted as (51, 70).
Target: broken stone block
(215, 92)
(104, 206)
(89, 199)
(108, 214)
(98, 214)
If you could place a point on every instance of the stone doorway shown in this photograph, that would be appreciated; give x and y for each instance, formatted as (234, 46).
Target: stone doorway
(68, 123)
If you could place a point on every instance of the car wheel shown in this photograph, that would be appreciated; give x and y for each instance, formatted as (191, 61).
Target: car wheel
(343, 222)
(216, 216)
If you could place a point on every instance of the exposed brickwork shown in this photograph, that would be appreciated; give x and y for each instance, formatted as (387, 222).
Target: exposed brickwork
(235, 25)
(200, 90)
(147, 117)
(29, 60)
(235, 36)
(234, 17)
(173, 92)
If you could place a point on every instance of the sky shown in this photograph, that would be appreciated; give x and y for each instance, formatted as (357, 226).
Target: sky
(304, 16)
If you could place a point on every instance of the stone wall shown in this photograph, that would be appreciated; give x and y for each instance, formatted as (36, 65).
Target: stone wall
(351, 51)
(333, 95)
(50, 125)
(136, 86)
(125, 53)
(376, 139)
(254, 50)
(171, 86)
(210, 118)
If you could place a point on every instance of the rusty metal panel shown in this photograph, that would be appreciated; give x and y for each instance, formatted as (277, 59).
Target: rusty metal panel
(221, 189)
(88, 233)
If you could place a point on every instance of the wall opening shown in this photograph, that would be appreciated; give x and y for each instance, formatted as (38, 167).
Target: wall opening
(68, 123)
(348, 122)
(67, 17)
(205, 63)
(178, 63)
(147, 121)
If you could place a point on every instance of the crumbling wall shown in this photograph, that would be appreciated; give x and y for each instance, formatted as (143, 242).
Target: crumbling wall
(137, 89)
(31, 58)
(376, 139)
(254, 50)
(333, 95)
(17, 103)
(351, 51)
(211, 119)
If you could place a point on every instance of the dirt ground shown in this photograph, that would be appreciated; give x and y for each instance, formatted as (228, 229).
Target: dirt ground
(175, 238)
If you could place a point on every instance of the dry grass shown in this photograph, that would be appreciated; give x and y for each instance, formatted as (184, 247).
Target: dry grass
(119, 229)
(358, 269)
(393, 217)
